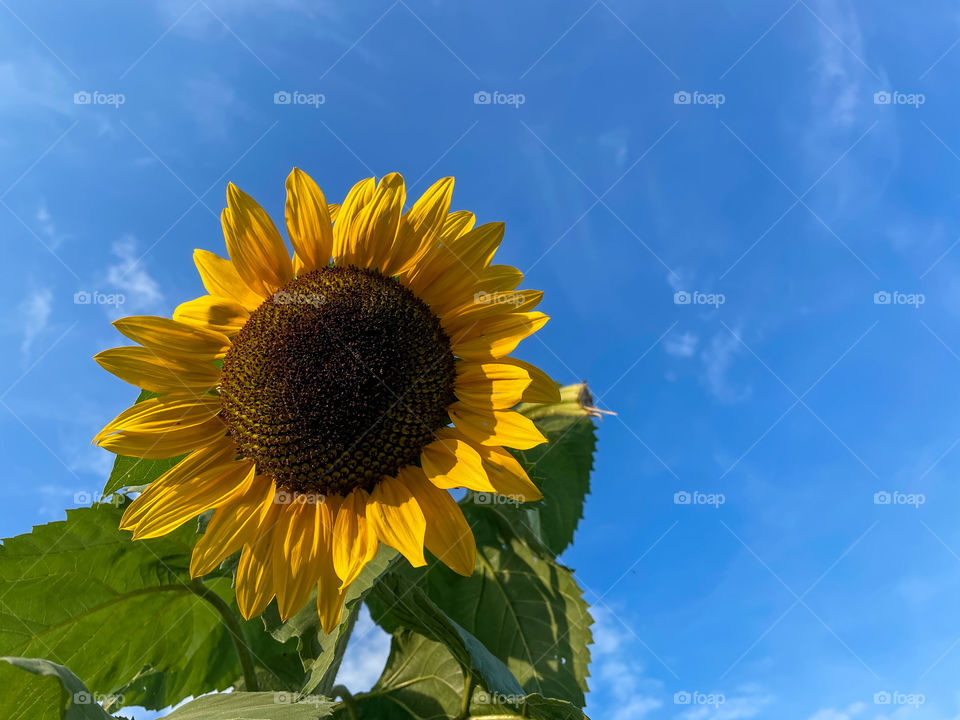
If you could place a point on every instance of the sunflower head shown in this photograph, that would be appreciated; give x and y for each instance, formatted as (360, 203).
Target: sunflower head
(327, 401)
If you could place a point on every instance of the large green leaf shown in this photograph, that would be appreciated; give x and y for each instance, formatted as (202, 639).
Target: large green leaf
(526, 609)
(396, 602)
(124, 615)
(35, 689)
(255, 706)
(321, 653)
(424, 681)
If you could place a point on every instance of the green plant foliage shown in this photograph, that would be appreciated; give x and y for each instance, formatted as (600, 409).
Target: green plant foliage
(255, 706)
(35, 689)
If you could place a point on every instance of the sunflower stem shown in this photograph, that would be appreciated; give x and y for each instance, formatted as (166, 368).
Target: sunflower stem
(467, 692)
(341, 692)
(236, 632)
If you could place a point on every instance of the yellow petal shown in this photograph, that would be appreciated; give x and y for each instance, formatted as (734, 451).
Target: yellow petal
(308, 222)
(254, 245)
(498, 278)
(397, 519)
(455, 266)
(298, 543)
(504, 383)
(358, 196)
(483, 305)
(148, 370)
(496, 427)
(154, 446)
(221, 279)
(374, 229)
(217, 454)
(163, 415)
(209, 489)
(507, 475)
(451, 461)
(330, 596)
(166, 336)
(232, 526)
(448, 535)
(497, 336)
(213, 313)
(420, 227)
(354, 539)
(254, 575)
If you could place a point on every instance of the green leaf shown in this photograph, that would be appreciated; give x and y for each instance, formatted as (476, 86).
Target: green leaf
(124, 613)
(35, 689)
(560, 468)
(322, 653)
(395, 601)
(424, 681)
(255, 706)
(526, 609)
(131, 472)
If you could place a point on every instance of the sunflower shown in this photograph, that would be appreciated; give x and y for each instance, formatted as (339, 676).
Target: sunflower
(326, 402)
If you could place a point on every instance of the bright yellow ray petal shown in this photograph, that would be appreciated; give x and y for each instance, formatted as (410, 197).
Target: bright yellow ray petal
(170, 337)
(448, 536)
(420, 227)
(496, 427)
(221, 279)
(397, 518)
(455, 266)
(507, 475)
(308, 221)
(254, 245)
(373, 230)
(162, 415)
(148, 370)
(356, 199)
(213, 313)
(482, 306)
(254, 575)
(209, 489)
(154, 446)
(232, 526)
(329, 594)
(497, 278)
(451, 461)
(354, 539)
(497, 336)
(298, 544)
(504, 383)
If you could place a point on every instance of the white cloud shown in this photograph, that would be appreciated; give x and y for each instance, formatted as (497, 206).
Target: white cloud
(717, 361)
(682, 346)
(366, 655)
(620, 690)
(35, 313)
(847, 714)
(130, 278)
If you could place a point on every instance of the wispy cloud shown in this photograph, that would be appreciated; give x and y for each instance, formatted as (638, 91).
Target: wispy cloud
(35, 313)
(848, 713)
(682, 345)
(718, 358)
(130, 277)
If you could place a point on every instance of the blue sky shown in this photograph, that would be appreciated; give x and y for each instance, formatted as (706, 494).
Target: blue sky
(781, 200)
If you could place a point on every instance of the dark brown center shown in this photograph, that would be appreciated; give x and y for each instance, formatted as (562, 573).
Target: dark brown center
(337, 381)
